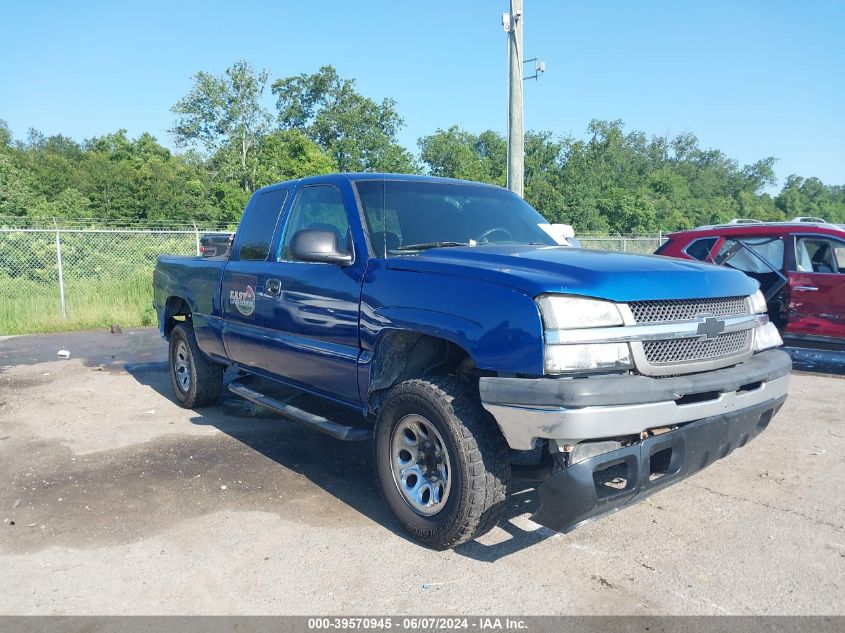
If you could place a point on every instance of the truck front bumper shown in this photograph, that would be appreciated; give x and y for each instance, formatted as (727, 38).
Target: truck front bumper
(571, 410)
(709, 416)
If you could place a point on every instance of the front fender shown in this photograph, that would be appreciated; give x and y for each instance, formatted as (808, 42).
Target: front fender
(497, 326)
(451, 327)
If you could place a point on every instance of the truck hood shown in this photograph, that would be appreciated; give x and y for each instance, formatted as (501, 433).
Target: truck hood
(600, 274)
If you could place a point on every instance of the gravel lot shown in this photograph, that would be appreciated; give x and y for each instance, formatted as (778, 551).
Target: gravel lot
(116, 501)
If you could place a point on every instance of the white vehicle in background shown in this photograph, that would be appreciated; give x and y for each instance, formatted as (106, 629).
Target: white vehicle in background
(567, 232)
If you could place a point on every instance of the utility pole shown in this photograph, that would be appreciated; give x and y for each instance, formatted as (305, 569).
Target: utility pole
(512, 23)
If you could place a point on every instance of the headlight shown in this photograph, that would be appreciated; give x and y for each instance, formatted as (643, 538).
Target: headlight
(567, 313)
(561, 313)
(597, 356)
(758, 303)
(766, 336)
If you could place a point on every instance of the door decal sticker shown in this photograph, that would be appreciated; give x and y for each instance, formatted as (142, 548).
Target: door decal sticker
(242, 294)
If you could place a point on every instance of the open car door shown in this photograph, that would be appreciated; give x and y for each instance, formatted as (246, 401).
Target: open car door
(817, 292)
(763, 258)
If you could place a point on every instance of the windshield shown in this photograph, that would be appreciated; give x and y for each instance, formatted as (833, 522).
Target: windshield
(407, 217)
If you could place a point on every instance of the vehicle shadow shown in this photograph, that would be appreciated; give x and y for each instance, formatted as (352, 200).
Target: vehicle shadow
(343, 469)
(509, 537)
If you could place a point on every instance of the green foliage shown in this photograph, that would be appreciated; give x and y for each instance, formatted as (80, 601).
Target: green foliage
(5, 134)
(811, 197)
(223, 115)
(359, 133)
(455, 153)
(289, 154)
(17, 194)
(112, 178)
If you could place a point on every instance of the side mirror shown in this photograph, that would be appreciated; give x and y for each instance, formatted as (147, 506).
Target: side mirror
(313, 245)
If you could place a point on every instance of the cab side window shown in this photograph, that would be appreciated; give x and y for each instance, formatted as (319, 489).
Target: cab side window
(259, 224)
(819, 255)
(319, 207)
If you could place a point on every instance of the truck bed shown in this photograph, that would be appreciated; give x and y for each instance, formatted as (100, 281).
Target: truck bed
(196, 279)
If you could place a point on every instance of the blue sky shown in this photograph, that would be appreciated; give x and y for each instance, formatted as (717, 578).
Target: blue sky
(753, 79)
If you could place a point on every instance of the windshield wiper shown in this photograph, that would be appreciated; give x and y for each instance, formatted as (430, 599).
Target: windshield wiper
(424, 245)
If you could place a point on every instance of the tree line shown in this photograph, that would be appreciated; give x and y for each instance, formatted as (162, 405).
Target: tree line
(610, 181)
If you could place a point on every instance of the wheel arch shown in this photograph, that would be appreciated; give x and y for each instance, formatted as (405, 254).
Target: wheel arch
(174, 308)
(402, 354)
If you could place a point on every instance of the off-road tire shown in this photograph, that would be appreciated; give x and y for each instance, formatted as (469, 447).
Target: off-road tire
(206, 376)
(480, 460)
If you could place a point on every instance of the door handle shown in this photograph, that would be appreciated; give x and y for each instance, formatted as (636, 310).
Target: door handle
(805, 289)
(273, 287)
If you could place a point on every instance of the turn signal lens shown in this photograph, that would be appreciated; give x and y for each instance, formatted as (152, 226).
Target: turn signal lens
(766, 336)
(598, 356)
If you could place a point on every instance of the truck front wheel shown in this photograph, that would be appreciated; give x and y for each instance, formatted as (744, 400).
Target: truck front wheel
(443, 466)
(196, 379)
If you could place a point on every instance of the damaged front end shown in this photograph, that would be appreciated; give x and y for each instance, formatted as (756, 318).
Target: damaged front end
(580, 487)
(612, 440)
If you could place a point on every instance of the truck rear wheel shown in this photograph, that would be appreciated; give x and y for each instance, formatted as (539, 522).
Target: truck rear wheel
(196, 379)
(442, 465)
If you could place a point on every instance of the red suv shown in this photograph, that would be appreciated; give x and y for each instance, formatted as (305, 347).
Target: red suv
(800, 266)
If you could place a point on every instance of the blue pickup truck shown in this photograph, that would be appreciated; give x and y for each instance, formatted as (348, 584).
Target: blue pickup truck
(456, 330)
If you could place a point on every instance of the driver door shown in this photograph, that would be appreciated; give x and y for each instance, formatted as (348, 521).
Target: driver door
(311, 324)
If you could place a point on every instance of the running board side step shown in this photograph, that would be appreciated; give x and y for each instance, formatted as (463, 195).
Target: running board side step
(339, 431)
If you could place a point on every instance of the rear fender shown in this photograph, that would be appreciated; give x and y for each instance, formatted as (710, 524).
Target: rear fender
(173, 308)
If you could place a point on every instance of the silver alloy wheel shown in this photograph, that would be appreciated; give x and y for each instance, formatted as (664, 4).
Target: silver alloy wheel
(420, 464)
(182, 367)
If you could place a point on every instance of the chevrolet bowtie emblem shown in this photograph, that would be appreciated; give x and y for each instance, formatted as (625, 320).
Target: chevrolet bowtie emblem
(710, 327)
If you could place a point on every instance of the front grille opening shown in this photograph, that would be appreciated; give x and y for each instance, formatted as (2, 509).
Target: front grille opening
(659, 464)
(691, 350)
(752, 386)
(687, 309)
(692, 398)
(611, 479)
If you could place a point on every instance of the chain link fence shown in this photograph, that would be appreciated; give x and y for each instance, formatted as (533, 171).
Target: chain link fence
(81, 278)
(640, 244)
(55, 279)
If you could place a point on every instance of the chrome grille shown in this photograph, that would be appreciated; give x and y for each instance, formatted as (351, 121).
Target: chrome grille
(691, 350)
(687, 309)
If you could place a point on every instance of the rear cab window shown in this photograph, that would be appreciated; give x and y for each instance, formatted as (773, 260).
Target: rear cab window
(255, 232)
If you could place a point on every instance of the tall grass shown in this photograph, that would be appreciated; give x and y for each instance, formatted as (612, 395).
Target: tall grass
(28, 307)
